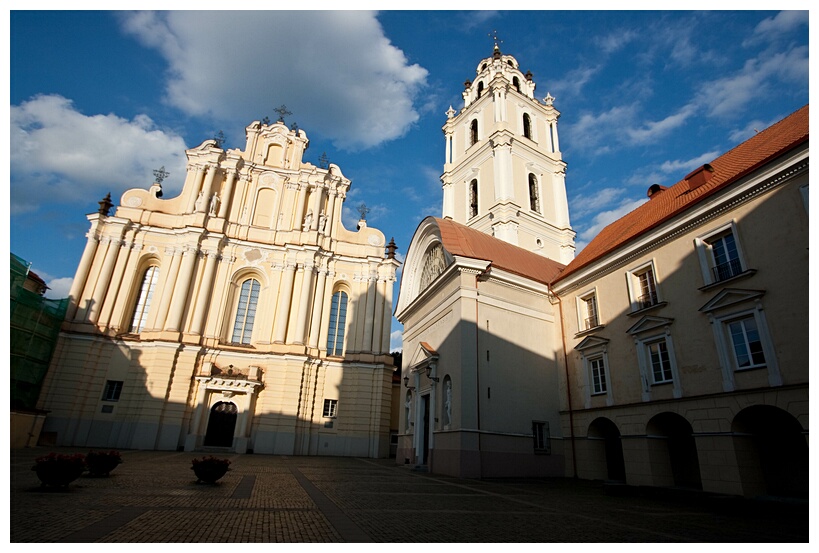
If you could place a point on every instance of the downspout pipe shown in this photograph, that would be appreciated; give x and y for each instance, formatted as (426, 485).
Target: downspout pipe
(568, 383)
(485, 275)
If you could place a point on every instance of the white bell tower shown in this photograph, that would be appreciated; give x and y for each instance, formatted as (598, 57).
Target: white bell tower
(504, 174)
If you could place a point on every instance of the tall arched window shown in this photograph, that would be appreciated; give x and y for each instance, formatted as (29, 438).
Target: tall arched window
(516, 83)
(480, 89)
(473, 132)
(246, 311)
(146, 292)
(473, 198)
(527, 126)
(338, 319)
(534, 198)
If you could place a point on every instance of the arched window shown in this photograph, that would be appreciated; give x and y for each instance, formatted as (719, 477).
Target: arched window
(534, 198)
(246, 312)
(473, 132)
(146, 292)
(527, 126)
(516, 83)
(473, 198)
(338, 318)
(480, 89)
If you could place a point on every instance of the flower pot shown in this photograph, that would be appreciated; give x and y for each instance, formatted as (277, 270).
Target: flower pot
(102, 463)
(209, 473)
(59, 470)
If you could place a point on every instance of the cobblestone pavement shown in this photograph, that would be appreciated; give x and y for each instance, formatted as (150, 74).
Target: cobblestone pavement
(153, 497)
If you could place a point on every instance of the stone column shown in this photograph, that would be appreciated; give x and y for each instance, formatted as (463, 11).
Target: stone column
(331, 216)
(387, 321)
(285, 295)
(378, 319)
(122, 308)
(197, 185)
(449, 200)
(205, 291)
(325, 309)
(301, 202)
(117, 294)
(227, 194)
(367, 343)
(104, 279)
(82, 274)
(315, 316)
(181, 289)
(315, 200)
(304, 303)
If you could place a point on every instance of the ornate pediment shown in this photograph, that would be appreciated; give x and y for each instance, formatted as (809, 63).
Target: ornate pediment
(423, 355)
(731, 296)
(649, 323)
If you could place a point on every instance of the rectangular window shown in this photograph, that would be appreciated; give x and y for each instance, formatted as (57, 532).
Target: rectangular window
(588, 312)
(646, 288)
(598, 375)
(660, 362)
(725, 256)
(330, 408)
(747, 346)
(541, 437)
(113, 388)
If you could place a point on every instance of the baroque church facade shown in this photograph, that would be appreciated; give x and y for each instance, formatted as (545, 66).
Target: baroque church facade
(240, 314)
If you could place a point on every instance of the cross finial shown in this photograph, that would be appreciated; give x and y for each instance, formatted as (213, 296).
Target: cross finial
(282, 111)
(323, 161)
(160, 174)
(494, 35)
(219, 138)
(363, 210)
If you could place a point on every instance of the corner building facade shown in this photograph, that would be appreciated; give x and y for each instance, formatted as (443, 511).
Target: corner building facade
(240, 314)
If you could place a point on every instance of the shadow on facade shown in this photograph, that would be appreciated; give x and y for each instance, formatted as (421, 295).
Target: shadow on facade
(712, 425)
(127, 393)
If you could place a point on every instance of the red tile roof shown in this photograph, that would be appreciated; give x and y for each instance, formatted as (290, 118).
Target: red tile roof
(464, 241)
(727, 169)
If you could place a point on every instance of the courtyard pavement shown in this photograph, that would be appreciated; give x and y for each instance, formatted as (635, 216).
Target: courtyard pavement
(153, 497)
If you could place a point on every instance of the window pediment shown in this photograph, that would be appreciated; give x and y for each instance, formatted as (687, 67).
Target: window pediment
(591, 342)
(731, 296)
(649, 323)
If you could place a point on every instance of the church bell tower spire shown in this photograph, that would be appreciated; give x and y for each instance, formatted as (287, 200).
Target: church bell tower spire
(504, 173)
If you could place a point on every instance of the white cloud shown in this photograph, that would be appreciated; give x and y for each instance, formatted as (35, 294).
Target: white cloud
(654, 130)
(336, 71)
(60, 154)
(728, 96)
(58, 288)
(605, 218)
(574, 81)
(582, 205)
(778, 26)
(596, 132)
(396, 340)
(616, 40)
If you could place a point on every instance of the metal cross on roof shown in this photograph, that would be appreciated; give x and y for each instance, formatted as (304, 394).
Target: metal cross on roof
(494, 35)
(363, 210)
(282, 111)
(160, 174)
(323, 161)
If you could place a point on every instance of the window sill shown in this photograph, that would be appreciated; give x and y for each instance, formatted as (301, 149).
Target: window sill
(666, 383)
(595, 394)
(740, 276)
(754, 368)
(657, 305)
(589, 330)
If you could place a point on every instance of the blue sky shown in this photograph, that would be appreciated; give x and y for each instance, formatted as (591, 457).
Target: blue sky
(100, 99)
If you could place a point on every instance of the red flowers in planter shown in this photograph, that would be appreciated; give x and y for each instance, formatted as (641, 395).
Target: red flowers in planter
(209, 469)
(101, 463)
(59, 469)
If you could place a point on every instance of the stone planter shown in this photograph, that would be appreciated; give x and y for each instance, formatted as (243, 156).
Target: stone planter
(101, 463)
(59, 470)
(209, 469)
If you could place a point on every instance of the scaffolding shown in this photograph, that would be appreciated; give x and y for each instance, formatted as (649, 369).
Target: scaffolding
(35, 325)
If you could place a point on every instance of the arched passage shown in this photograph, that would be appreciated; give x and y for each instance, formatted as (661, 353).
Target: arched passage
(673, 452)
(221, 425)
(608, 448)
(772, 453)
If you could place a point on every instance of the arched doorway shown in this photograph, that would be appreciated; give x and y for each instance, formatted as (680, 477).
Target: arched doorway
(221, 425)
(772, 453)
(609, 449)
(673, 452)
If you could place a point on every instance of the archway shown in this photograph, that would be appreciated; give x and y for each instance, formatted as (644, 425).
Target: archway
(772, 453)
(673, 452)
(605, 432)
(221, 425)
